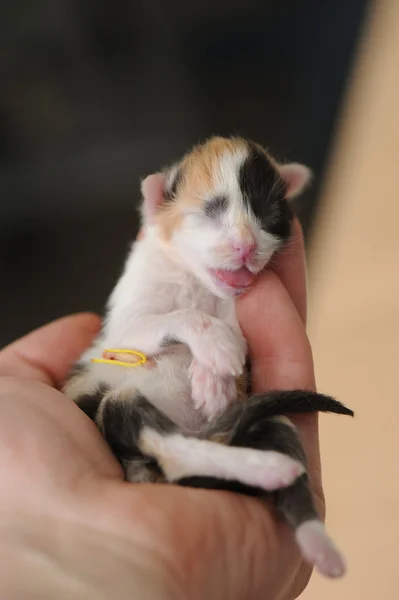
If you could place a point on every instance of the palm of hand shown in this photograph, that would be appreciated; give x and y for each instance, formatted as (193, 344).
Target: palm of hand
(58, 469)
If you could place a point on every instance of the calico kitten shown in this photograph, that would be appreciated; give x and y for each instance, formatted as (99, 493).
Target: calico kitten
(212, 222)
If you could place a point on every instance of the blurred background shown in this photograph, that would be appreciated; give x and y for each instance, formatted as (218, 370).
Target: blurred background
(97, 94)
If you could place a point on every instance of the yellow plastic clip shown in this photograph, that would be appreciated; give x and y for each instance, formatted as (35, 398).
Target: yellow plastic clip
(109, 361)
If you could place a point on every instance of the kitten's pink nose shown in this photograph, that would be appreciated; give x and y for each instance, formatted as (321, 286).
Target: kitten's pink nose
(245, 248)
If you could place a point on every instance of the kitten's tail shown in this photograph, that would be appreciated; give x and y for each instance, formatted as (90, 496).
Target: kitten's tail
(277, 403)
(260, 407)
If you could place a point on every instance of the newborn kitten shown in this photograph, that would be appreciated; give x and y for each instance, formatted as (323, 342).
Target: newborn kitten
(212, 222)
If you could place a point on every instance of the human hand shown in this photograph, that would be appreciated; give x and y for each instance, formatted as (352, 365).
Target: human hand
(73, 527)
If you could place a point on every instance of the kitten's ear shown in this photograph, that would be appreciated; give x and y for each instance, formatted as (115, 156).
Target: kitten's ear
(158, 188)
(153, 190)
(296, 177)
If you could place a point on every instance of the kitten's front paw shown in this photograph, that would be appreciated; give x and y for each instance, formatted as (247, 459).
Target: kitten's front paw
(210, 392)
(219, 348)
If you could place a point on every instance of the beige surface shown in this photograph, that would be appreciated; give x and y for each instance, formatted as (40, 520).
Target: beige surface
(354, 322)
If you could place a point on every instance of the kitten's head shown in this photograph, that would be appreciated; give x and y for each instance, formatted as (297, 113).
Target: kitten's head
(223, 210)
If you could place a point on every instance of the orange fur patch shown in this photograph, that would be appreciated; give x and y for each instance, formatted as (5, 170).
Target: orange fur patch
(242, 383)
(221, 438)
(200, 167)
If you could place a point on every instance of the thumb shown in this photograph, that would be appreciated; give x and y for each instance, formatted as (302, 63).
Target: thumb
(48, 353)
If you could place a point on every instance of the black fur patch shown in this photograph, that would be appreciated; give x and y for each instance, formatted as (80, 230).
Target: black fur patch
(277, 403)
(269, 434)
(264, 193)
(248, 369)
(216, 206)
(169, 341)
(90, 403)
(123, 420)
(214, 483)
(295, 503)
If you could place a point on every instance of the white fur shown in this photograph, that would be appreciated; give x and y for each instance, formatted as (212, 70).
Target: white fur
(180, 456)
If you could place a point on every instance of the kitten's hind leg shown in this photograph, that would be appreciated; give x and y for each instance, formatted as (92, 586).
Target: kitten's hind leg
(139, 434)
(121, 418)
(180, 457)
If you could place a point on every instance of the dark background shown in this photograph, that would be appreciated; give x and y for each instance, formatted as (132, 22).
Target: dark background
(96, 94)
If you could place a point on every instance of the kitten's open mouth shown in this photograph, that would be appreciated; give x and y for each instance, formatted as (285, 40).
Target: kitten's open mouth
(240, 279)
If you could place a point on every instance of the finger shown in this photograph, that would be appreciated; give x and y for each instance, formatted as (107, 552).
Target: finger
(48, 353)
(290, 266)
(279, 348)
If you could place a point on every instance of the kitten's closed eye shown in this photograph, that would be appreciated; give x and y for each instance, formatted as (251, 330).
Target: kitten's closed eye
(216, 206)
